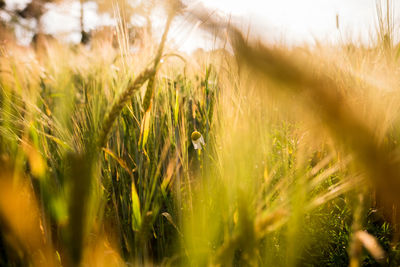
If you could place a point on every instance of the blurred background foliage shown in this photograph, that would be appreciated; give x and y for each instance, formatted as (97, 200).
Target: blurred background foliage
(27, 17)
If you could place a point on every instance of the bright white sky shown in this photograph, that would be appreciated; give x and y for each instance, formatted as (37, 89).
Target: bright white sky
(304, 21)
(290, 21)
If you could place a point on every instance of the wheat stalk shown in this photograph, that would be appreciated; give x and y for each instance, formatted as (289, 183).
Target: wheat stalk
(148, 74)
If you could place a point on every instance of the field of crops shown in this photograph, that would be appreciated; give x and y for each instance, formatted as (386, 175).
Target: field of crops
(248, 155)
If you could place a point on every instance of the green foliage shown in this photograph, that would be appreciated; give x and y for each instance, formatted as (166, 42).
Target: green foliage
(112, 171)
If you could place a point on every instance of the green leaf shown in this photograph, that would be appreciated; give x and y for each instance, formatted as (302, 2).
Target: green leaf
(136, 215)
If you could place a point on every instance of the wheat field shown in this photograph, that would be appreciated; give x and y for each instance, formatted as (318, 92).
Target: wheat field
(248, 155)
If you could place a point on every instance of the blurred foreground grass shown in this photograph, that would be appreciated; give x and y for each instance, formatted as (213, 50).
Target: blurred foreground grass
(300, 163)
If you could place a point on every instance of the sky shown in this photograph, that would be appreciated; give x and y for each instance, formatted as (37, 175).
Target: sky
(293, 22)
